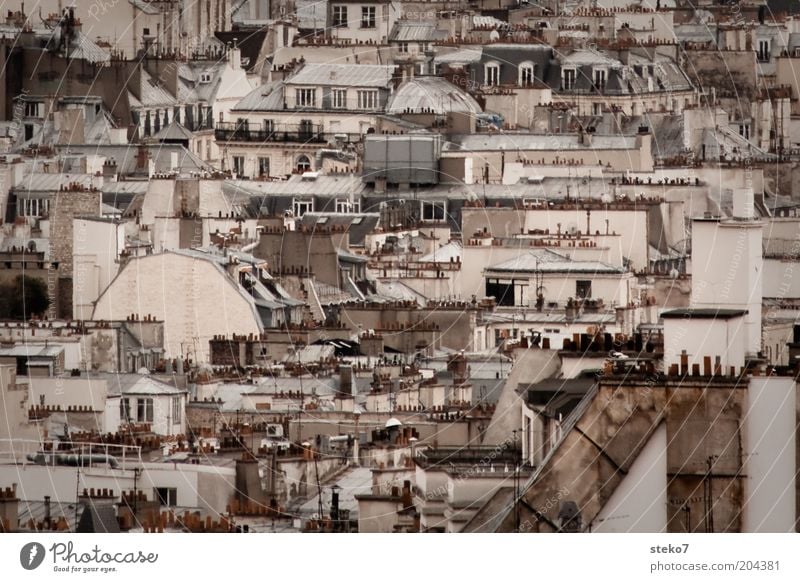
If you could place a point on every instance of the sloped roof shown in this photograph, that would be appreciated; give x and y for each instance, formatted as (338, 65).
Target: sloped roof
(343, 75)
(151, 94)
(547, 261)
(443, 254)
(149, 385)
(415, 31)
(589, 57)
(174, 132)
(86, 49)
(267, 97)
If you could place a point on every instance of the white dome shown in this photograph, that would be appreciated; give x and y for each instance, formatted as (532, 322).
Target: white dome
(393, 422)
(433, 94)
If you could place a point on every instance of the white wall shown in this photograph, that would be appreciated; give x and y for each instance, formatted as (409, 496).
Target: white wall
(96, 248)
(770, 455)
(705, 337)
(194, 298)
(727, 270)
(639, 503)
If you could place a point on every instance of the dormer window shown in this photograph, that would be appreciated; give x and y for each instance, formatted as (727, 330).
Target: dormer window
(33, 109)
(763, 51)
(305, 98)
(492, 74)
(599, 77)
(567, 79)
(527, 74)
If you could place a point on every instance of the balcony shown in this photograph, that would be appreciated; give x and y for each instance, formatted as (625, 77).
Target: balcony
(299, 133)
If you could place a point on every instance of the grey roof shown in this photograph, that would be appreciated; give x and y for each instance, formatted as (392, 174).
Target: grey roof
(174, 132)
(98, 519)
(431, 93)
(125, 156)
(443, 254)
(343, 75)
(589, 57)
(146, 384)
(462, 56)
(416, 31)
(547, 261)
(41, 182)
(358, 225)
(324, 185)
(534, 141)
(267, 97)
(86, 49)
(31, 351)
(151, 94)
(703, 313)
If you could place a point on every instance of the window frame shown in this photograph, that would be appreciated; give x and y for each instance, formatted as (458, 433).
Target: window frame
(368, 99)
(339, 20)
(491, 74)
(339, 98)
(369, 17)
(301, 97)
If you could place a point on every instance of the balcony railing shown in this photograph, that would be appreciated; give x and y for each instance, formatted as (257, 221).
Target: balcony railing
(278, 133)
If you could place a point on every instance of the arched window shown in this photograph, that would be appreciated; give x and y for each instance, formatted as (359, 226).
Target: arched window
(303, 164)
(527, 74)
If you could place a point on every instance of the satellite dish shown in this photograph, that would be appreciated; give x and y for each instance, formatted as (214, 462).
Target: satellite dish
(393, 422)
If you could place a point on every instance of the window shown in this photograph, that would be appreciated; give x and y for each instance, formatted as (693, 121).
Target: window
(146, 32)
(367, 17)
(269, 126)
(305, 98)
(367, 99)
(339, 16)
(303, 164)
(33, 109)
(599, 78)
(433, 211)
(238, 165)
(597, 109)
(205, 78)
(339, 99)
(177, 410)
(403, 48)
(144, 409)
(583, 289)
(344, 205)
(166, 495)
(744, 130)
(568, 79)
(302, 205)
(425, 47)
(526, 74)
(493, 74)
(763, 51)
(263, 167)
(125, 410)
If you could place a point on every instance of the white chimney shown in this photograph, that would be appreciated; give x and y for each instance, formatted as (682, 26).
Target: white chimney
(235, 55)
(743, 204)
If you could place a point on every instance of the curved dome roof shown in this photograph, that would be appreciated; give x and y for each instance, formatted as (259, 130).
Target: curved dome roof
(431, 93)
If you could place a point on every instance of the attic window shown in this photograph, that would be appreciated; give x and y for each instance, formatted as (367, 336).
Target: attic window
(527, 74)
(205, 77)
(492, 74)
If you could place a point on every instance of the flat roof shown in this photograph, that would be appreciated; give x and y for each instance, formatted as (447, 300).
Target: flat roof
(703, 313)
